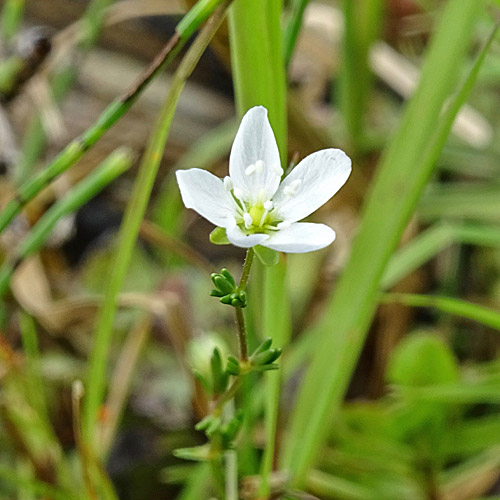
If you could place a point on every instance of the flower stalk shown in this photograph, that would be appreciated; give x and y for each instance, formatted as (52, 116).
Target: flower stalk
(240, 319)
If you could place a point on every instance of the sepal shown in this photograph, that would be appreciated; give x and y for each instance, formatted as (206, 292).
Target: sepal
(267, 256)
(233, 366)
(209, 425)
(264, 356)
(218, 236)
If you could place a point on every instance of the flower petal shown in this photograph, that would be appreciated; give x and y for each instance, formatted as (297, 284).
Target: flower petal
(255, 143)
(237, 237)
(205, 193)
(301, 237)
(312, 183)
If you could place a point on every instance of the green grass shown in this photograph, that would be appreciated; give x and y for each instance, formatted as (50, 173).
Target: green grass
(400, 180)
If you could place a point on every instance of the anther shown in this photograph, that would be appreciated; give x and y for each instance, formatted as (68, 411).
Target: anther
(267, 206)
(228, 183)
(247, 218)
(250, 169)
(292, 189)
(278, 170)
(259, 166)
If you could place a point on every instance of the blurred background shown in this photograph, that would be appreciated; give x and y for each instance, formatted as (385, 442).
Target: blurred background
(386, 445)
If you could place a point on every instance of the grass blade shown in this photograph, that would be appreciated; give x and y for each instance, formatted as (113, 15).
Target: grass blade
(429, 243)
(450, 305)
(362, 25)
(12, 17)
(399, 183)
(259, 76)
(131, 224)
(292, 28)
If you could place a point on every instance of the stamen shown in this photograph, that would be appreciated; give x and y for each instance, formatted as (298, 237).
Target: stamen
(247, 218)
(267, 206)
(292, 189)
(251, 169)
(284, 225)
(259, 166)
(228, 183)
(278, 170)
(238, 193)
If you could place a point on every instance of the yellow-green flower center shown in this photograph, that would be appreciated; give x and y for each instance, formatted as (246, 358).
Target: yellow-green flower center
(257, 213)
(259, 218)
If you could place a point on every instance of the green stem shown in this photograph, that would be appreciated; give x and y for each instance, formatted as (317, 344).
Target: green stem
(246, 269)
(362, 26)
(259, 78)
(292, 28)
(12, 17)
(240, 318)
(60, 83)
(228, 395)
(242, 334)
(93, 21)
(217, 467)
(77, 395)
(276, 323)
(231, 460)
(133, 218)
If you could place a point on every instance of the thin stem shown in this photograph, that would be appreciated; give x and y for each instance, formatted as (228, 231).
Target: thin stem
(231, 459)
(121, 380)
(242, 334)
(61, 83)
(217, 467)
(246, 269)
(231, 463)
(240, 318)
(228, 395)
(76, 397)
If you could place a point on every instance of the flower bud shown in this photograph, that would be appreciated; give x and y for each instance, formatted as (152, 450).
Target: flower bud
(266, 357)
(199, 354)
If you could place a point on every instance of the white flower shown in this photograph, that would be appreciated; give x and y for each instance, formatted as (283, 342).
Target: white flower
(252, 205)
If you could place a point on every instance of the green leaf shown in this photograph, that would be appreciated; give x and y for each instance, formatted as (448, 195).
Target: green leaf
(266, 357)
(420, 360)
(267, 256)
(218, 236)
(219, 376)
(264, 346)
(449, 305)
(196, 453)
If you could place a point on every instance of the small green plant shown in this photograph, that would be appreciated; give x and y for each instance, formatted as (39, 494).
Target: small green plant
(253, 208)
